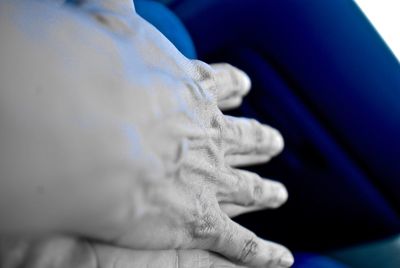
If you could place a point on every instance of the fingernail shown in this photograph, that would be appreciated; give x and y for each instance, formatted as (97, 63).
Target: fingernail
(282, 194)
(286, 260)
(244, 81)
(277, 142)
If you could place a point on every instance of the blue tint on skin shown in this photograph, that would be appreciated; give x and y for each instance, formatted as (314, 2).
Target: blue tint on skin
(134, 140)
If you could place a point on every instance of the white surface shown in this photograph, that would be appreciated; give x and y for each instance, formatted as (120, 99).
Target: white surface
(385, 16)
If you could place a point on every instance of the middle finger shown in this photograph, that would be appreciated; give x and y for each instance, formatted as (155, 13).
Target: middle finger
(249, 142)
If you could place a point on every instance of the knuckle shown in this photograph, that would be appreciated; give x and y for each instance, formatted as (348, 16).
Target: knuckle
(238, 130)
(258, 192)
(227, 227)
(217, 122)
(249, 249)
(231, 129)
(205, 77)
(202, 71)
(227, 233)
(195, 90)
(219, 127)
(199, 91)
(206, 225)
(251, 189)
(237, 180)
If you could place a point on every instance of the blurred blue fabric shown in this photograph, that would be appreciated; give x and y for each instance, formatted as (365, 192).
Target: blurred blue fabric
(164, 19)
(382, 254)
(321, 75)
(307, 260)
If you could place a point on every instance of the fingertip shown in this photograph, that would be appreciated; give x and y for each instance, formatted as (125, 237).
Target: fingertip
(244, 80)
(234, 78)
(276, 255)
(286, 260)
(274, 194)
(281, 195)
(277, 142)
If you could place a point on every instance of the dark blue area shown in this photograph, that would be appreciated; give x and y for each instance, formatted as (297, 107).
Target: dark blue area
(323, 76)
(332, 201)
(305, 260)
(162, 18)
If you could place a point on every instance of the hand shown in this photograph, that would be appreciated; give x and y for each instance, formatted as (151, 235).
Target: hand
(67, 252)
(124, 147)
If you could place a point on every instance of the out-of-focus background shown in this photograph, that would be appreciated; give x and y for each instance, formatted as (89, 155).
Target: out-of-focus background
(385, 17)
(325, 74)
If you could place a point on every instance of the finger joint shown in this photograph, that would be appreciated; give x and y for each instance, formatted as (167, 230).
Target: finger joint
(249, 250)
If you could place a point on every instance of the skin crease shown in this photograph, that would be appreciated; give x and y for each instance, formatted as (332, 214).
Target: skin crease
(108, 132)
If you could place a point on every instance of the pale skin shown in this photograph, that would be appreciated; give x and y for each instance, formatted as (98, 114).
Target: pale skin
(108, 132)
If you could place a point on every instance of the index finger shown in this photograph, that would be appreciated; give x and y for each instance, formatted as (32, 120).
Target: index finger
(232, 85)
(228, 83)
